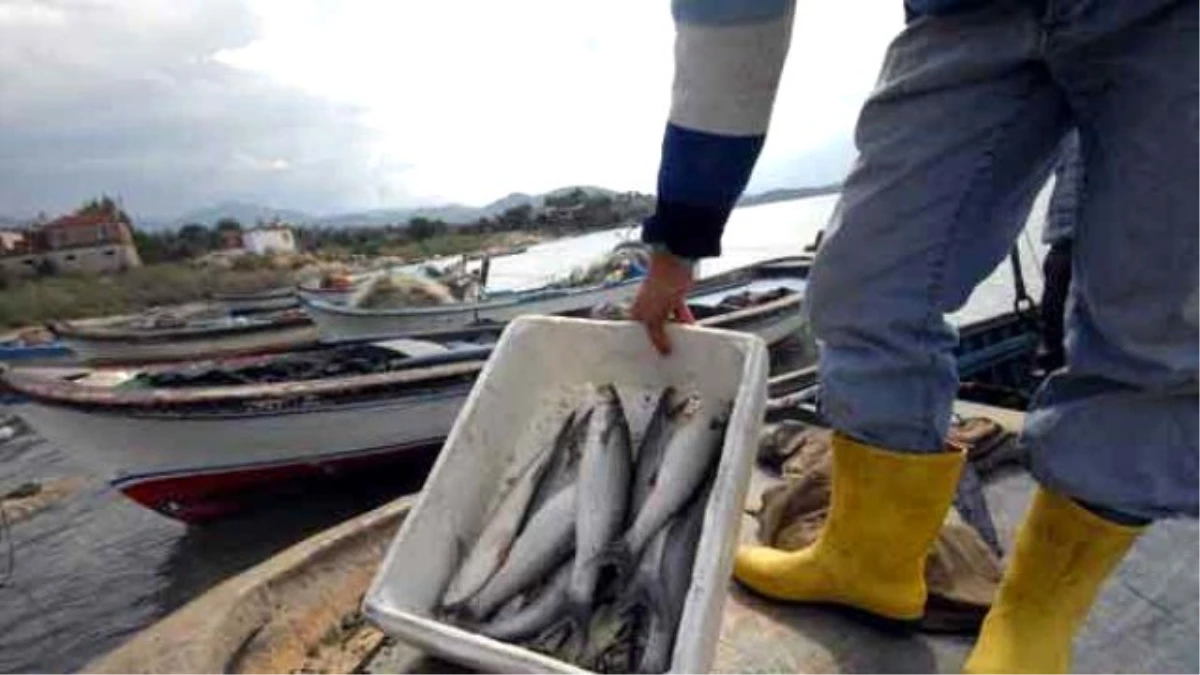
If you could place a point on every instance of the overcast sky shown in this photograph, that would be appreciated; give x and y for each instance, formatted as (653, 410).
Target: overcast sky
(331, 105)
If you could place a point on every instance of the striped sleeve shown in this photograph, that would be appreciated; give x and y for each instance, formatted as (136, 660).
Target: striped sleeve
(729, 55)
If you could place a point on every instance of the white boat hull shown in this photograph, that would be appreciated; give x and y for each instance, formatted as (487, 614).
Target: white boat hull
(194, 468)
(333, 297)
(337, 324)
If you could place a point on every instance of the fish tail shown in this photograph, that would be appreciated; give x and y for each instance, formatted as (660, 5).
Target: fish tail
(477, 607)
(632, 597)
(619, 556)
(454, 607)
(579, 619)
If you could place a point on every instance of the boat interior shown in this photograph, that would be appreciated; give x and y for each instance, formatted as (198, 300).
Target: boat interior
(1144, 621)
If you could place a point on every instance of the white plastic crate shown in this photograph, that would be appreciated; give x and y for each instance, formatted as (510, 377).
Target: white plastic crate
(506, 416)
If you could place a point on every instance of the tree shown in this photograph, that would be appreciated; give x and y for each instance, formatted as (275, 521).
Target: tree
(228, 225)
(106, 207)
(568, 198)
(421, 229)
(517, 217)
(153, 248)
(195, 239)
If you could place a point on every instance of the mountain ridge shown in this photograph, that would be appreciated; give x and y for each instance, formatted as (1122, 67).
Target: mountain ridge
(250, 213)
(454, 213)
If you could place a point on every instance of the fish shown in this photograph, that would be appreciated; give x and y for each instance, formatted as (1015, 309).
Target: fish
(544, 543)
(563, 468)
(659, 645)
(605, 473)
(503, 524)
(540, 613)
(514, 605)
(644, 588)
(650, 452)
(612, 632)
(664, 582)
(692, 450)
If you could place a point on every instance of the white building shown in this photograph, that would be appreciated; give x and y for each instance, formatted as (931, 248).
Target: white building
(269, 239)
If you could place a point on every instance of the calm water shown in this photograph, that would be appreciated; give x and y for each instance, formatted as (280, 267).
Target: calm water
(762, 232)
(95, 568)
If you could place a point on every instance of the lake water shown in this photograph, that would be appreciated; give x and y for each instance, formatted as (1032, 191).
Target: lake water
(95, 568)
(768, 231)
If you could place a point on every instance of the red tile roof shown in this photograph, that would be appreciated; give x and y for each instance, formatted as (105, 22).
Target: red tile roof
(80, 219)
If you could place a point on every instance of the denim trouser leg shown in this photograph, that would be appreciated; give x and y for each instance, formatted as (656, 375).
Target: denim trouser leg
(960, 133)
(1119, 427)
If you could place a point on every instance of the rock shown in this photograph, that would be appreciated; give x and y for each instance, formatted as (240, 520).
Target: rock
(22, 491)
(28, 499)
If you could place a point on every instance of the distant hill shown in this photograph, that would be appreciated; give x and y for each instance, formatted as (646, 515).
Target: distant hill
(249, 213)
(786, 194)
(454, 214)
(243, 212)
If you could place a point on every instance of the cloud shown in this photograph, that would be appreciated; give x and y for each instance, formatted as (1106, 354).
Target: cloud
(129, 100)
(323, 105)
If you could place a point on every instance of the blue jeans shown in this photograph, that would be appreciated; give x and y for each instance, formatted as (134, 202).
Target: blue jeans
(960, 133)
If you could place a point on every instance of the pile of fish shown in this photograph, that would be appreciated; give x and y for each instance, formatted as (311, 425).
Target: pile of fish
(588, 554)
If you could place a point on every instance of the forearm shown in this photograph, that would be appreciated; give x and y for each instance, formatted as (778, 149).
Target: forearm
(728, 60)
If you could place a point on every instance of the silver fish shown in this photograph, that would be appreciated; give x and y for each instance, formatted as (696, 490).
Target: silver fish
(514, 605)
(650, 452)
(545, 542)
(660, 642)
(537, 615)
(645, 586)
(611, 642)
(503, 524)
(693, 448)
(604, 481)
(664, 582)
(563, 468)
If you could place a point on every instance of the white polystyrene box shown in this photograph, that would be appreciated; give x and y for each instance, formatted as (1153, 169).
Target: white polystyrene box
(509, 412)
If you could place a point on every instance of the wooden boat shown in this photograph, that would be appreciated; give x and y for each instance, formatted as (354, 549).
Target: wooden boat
(34, 346)
(337, 323)
(345, 294)
(199, 440)
(117, 341)
(271, 300)
(1145, 630)
(294, 629)
(202, 440)
(49, 353)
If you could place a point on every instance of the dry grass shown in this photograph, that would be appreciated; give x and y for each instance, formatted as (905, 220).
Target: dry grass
(75, 296)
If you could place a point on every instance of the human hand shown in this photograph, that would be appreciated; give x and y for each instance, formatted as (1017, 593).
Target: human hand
(662, 297)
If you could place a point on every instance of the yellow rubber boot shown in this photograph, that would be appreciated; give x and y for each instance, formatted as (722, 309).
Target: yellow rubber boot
(1064, 553)
(885, 511)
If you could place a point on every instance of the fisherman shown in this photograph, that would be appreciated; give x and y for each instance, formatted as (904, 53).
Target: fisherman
(973, 100)
(1056, 268)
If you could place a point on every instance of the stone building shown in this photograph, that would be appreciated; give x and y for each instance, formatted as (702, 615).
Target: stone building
(76, 243)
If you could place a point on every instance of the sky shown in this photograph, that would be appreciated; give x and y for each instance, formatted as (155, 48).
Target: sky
(339, 105)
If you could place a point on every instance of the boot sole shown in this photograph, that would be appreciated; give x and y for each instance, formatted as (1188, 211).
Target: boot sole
(886, 624)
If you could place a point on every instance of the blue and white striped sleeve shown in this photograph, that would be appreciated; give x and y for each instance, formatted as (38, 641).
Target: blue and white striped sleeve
(729, 55)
